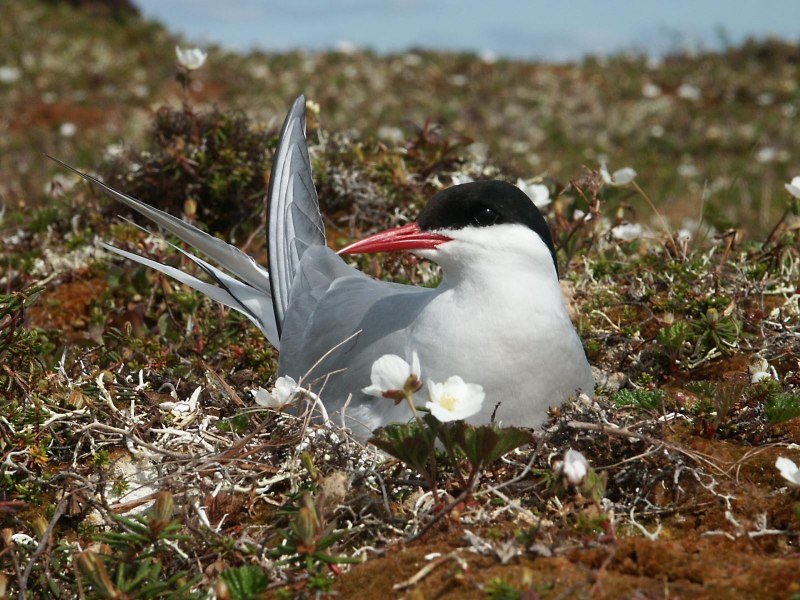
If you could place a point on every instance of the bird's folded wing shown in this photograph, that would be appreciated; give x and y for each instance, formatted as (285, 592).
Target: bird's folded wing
(295, 223)
(339, 313)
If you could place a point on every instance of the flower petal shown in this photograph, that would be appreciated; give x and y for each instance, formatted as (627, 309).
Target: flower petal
(454, 399)
(624, 176)
(605, 175)
(263, 398)
(575, 467)
(285, 388)
(794, 187)
(390, 372)
(619, 178)
(191, 58)
(788, 470)
(415, 368)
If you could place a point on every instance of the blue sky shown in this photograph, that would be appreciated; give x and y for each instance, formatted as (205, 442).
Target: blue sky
(537, 29)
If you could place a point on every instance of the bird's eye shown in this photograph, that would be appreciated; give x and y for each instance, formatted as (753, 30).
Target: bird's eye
(486, 216)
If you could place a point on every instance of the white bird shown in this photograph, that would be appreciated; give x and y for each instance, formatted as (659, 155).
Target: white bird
(497, 319)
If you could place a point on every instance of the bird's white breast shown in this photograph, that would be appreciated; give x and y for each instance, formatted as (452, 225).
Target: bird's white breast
(502, 323)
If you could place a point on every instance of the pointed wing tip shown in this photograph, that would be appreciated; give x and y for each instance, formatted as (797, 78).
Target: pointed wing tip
(78, 172)
(61, 162)
(298, 110)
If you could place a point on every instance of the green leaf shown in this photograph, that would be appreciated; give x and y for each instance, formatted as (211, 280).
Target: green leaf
(595, 485)
(245, 582)
(407, 442)
(782, 407)
(646, 399)
(484, 444)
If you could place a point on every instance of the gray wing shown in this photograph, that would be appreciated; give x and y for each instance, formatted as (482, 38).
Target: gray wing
(295, 223)
(253, 303)
(230, 257)
(250, 296)
(339, 322)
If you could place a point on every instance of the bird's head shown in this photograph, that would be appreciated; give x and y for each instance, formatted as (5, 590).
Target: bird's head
(470, 223)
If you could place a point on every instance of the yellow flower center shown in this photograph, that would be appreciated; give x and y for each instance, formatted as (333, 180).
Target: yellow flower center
(448, 402)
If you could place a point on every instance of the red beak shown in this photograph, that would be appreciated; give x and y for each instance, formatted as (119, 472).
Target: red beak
(407, 237)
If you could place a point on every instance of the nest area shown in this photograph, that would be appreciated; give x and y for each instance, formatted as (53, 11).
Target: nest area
(683, 441)
(135, 462)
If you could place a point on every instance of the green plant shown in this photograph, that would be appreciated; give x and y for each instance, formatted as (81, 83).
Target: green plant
(702, 388)
(413, 444)
(245, 583)
(207, 165)
(432, 149)
(497, 589)
(645, 399)
(20, 347)
(716, 403)
(782, 407)
(715, 331)
(307, 540)
(672, 339)
(141, 561)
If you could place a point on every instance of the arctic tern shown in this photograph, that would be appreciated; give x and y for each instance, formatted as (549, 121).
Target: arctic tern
(498, 317)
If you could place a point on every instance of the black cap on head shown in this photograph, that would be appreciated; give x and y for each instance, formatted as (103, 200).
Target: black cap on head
(483, 204)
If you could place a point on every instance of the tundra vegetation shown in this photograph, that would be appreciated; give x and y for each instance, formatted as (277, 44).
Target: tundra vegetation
(136, 460)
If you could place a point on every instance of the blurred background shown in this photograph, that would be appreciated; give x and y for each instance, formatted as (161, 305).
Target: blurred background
(699, 97)
(520, 29)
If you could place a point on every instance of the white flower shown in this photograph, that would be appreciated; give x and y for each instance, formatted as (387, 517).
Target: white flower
(788, 470)
(9, 74)
(627, 231)
(23, 539)
(186, 406)
(112, 151)
(760, 369)
(390, 376)
(345, 47)
(191, 58)
(765, 99)
(618, 178)
(689, 92)
(59, 185)
(651, 90)
(766, 154)
(390, 134)
(575, 467)
(654, 62)
(282, 394)
(454, 399)
(67, 129)
(537, 192)
(794, 187)
(759, 376)
(312, 107)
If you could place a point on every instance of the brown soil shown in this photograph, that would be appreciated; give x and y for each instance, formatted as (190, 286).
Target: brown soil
(66, 306)
(629, 568)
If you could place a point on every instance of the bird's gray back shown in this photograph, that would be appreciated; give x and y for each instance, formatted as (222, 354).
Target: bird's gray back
(337, 311)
